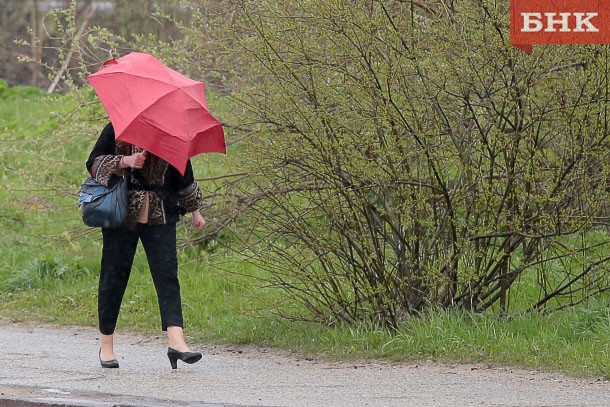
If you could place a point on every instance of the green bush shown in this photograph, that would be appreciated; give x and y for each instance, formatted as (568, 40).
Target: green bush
(4, 89)
(41, 273)
(19, 92)
(410, 157)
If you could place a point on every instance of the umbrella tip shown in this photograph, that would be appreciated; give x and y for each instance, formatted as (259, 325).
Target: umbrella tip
(111, 61)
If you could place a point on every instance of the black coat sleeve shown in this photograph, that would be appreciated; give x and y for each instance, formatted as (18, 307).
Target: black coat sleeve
(186, 190)
(105, 145)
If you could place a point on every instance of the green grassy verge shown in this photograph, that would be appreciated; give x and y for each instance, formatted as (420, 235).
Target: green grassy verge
(50, 262)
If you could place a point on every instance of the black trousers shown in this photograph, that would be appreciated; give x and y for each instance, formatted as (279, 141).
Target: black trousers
(119, 248)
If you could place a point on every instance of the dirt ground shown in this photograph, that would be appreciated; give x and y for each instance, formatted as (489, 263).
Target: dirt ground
(51, 365)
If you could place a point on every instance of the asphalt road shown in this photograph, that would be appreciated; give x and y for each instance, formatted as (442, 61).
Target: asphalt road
(49, 366)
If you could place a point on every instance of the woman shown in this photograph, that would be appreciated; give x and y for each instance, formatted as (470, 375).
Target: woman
(158, 195)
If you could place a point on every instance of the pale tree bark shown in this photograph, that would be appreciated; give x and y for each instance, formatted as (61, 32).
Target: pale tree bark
(87, 15)
(35, 43)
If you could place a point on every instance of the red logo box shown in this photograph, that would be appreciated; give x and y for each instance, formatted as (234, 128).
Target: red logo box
(559, 22)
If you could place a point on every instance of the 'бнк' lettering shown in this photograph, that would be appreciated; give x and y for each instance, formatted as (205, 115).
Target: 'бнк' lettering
(559, 22)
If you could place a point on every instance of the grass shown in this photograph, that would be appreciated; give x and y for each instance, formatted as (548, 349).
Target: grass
(50, 263)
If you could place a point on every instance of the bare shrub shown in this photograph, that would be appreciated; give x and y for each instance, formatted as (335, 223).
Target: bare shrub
(410, 157)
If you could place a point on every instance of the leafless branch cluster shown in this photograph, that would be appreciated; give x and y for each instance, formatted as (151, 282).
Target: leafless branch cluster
(410, 158)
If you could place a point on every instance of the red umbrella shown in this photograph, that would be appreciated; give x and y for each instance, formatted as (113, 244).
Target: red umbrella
(158, 109)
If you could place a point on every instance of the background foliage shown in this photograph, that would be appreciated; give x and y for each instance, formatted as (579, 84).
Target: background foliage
(411, 158)
(387, 158)
(50, 262)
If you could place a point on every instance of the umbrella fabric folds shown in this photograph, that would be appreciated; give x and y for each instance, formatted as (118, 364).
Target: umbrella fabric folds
(158, 109)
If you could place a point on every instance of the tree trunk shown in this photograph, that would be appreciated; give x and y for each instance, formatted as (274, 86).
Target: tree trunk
(36, 44)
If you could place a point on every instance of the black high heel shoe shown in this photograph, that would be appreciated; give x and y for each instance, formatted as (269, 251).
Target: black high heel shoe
(108, 364)
(186, 357)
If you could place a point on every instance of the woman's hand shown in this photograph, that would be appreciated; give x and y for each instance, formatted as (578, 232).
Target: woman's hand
(135, 161)
(198, 221)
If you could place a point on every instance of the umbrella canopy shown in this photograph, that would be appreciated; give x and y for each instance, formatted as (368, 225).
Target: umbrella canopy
(158, 109)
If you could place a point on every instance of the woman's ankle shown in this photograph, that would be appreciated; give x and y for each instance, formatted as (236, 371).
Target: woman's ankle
(107, 347)
(175, 339)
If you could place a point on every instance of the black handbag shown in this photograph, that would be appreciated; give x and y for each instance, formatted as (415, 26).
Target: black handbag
(104, 206)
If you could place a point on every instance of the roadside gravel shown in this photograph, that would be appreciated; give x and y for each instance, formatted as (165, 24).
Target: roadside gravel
(51, 365)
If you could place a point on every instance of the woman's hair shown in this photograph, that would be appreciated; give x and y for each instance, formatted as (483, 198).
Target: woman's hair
(123, 148)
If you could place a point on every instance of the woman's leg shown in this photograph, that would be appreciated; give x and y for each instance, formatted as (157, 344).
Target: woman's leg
(119, 247)
(160, 246)
(159, 242)
(107, 348)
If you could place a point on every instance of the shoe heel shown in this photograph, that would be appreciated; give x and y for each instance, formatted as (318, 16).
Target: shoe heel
(173, 360)
(186, 357)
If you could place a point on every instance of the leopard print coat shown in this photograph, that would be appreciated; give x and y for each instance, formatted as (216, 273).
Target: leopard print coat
(170, 193)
